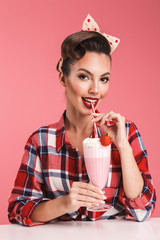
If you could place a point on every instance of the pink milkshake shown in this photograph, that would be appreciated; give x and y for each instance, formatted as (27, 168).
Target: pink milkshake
(97, 160)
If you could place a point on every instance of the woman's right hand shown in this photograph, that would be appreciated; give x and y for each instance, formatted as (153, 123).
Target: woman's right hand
(83, 195)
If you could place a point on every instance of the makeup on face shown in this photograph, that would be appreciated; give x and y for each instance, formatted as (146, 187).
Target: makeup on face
(88, 100)
(88, 82)
(85, 74)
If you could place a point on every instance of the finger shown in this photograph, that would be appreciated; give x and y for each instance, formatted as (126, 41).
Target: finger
(98, 118)
(107, 122)
(92, 194)
(89, 187)
(116, 117)
(103, 120)
(96, 114)
(88, 199)
(87, 204)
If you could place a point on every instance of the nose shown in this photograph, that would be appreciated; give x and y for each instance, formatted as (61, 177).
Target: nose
(94, 89)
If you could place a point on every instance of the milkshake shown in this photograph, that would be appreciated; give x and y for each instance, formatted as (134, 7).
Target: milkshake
(97, 161)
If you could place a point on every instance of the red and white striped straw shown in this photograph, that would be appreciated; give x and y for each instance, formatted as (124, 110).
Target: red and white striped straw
(95, 125)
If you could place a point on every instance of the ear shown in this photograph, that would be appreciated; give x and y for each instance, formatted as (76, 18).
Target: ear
(62, 79)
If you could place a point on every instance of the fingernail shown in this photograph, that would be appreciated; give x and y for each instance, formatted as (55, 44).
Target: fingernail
(102, 202)
(101, 192)
(104, 197)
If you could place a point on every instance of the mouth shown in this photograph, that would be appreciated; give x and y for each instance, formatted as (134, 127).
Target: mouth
(88, 100)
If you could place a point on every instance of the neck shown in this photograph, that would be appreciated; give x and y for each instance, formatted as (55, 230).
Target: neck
(77, 122)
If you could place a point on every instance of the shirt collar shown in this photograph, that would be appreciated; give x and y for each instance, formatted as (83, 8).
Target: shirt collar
(60, 133)
(61, 138)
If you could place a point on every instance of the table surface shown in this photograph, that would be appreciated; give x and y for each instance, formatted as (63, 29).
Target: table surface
(102, 229)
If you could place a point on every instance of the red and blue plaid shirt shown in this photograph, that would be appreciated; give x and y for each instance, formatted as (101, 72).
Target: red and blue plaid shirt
(50, 165)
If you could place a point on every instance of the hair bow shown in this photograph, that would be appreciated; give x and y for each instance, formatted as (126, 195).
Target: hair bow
(90, 25)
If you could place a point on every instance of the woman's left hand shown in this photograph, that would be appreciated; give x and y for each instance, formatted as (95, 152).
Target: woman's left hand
(117, 132)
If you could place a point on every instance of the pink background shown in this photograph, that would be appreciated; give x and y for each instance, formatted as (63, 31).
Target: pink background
(30, 94)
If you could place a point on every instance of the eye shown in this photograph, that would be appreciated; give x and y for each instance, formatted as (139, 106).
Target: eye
(105, 79)
(83, 77)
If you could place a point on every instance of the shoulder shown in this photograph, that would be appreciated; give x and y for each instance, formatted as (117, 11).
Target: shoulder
(130, 124)
(41, 135)
(135, 139)
(131, 128)
(45, 129)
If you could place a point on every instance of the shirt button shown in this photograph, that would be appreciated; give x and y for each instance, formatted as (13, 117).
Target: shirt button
(82, 172)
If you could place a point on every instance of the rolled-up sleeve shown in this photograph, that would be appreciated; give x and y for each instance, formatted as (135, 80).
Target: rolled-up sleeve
(28, 187)
(139, 209)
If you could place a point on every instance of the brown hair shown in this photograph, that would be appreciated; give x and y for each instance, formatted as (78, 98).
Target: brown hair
(75, 46)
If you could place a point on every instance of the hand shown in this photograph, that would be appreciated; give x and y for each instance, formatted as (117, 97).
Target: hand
(117, 132)
(83, 195)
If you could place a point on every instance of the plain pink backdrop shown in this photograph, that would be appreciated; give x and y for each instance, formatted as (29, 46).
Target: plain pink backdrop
(31, 33)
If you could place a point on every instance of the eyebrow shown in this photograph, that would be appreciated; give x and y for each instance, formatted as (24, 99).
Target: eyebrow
(85, 70)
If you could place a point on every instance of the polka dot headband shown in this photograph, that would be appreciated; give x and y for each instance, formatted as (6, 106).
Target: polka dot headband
(90, 25)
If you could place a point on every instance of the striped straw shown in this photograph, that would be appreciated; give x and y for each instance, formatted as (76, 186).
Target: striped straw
(95, 126)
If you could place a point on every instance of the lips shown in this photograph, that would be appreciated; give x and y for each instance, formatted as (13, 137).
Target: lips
(87, 101)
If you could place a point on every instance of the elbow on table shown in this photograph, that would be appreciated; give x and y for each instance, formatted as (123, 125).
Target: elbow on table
(140, 215)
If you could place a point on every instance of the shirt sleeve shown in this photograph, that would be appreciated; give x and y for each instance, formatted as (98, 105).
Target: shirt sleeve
(28, 188)
(140, 208)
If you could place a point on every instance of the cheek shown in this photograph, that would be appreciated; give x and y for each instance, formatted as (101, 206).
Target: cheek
(78, 89)
(105, 91)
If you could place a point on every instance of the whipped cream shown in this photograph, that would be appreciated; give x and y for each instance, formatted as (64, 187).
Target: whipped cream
(92, 142)
(93, 148)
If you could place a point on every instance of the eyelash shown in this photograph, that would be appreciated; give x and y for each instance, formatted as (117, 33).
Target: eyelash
(82, 76)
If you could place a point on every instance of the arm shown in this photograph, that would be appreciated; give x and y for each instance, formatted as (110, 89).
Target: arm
(80, 195)
(49, 210)
(139, 208)
(136, 192)
(132, 179)
(27, 203)
(28, 188)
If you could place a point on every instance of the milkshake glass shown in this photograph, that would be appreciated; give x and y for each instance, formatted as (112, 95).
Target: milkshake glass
(97, 161)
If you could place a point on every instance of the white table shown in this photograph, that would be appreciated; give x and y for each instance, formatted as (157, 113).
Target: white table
(105, 229)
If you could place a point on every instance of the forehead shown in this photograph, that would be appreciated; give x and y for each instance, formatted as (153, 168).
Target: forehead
(93, 61)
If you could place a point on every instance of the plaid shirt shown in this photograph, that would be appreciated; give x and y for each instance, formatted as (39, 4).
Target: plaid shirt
(50, 165)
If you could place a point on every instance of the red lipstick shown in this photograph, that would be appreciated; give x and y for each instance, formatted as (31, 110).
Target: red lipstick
(87, 101)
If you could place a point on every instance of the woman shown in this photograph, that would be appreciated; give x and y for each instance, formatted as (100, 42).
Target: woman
(52, 182)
